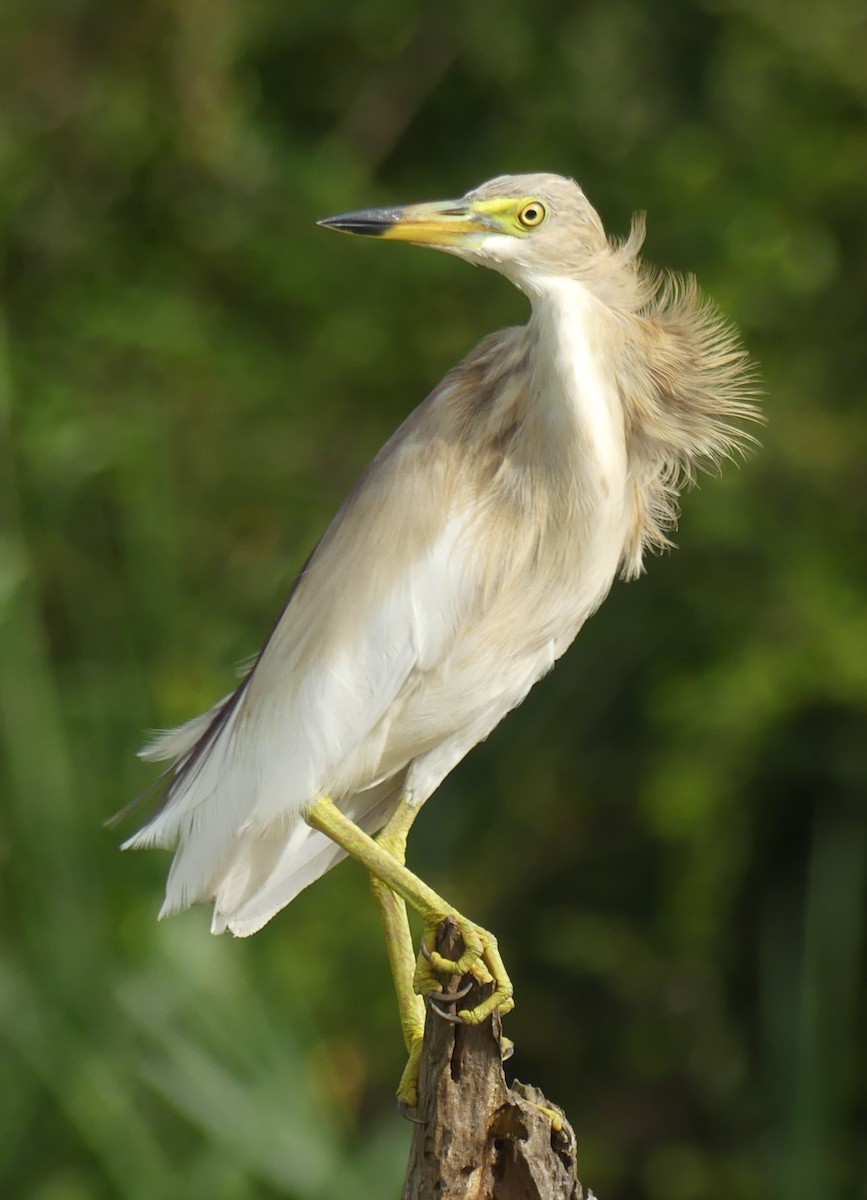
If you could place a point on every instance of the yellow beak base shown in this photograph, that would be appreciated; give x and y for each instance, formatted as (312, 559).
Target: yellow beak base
(443, 223)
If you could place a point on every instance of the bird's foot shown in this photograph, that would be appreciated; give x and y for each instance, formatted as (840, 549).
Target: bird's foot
(480, 959)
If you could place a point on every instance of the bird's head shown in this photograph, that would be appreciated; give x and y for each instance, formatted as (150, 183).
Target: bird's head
(528, 227)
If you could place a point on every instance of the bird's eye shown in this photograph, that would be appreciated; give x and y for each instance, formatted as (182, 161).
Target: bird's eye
(533, 213)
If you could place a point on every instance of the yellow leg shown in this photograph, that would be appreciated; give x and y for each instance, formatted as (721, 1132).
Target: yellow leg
(480, 958)
(398, 939)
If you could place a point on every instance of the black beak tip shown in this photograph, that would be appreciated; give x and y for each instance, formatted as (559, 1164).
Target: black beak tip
(368, 224)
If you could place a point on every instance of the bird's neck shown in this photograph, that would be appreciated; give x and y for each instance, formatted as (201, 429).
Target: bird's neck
(577, 411)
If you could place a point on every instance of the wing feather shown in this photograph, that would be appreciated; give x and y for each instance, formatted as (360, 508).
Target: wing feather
(378, 601)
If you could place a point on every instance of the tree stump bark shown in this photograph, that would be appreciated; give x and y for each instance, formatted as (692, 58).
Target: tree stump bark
(477, 1138)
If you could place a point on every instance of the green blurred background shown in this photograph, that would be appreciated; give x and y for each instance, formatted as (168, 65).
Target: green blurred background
(670, 836)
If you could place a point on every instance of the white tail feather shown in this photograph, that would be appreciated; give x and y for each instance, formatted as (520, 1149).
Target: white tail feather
(164, 744)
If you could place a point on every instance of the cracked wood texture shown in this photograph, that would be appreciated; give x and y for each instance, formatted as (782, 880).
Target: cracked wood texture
(476, 1138)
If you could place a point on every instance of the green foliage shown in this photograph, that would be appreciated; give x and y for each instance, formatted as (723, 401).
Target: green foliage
(670, 835)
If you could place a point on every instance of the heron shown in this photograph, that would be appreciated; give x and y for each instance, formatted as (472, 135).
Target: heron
(459, 569)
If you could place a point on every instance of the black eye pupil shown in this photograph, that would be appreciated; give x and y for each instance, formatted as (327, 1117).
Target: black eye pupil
(530, 214)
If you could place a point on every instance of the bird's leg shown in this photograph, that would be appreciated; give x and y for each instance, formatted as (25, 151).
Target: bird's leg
(481, 957)
(398, 939)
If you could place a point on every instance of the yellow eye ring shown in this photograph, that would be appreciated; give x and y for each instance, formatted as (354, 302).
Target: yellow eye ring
(532, 213)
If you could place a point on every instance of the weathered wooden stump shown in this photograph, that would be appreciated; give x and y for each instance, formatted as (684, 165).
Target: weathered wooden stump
(476, 1137)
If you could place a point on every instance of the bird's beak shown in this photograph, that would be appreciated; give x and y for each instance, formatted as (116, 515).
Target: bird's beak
(443, 223)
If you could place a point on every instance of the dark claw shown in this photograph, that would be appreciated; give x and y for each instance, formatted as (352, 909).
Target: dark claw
(406, 1112)
(425, 953)
(453, 1018)
(450, 997)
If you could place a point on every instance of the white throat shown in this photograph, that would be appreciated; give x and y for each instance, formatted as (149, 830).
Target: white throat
(577, 385)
